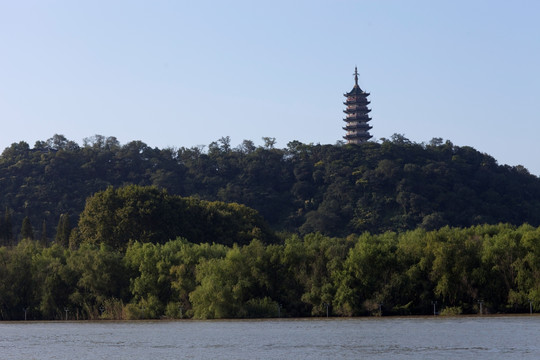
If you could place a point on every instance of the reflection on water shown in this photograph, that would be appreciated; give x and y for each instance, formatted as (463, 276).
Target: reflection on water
(506, 337)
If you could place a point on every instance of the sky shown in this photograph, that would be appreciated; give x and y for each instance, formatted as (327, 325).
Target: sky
(187, 73)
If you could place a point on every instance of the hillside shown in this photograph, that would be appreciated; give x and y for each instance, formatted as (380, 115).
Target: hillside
(334, 189)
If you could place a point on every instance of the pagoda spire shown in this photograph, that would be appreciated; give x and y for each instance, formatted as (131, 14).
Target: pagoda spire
(357, 119)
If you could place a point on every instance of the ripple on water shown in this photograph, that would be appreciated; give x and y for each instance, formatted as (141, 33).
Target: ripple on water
(509, 337)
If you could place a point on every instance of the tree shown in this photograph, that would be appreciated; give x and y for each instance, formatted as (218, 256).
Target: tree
(43, 238)
(116, 216)
(146, 214)
(149, 286)
(54, 281)
(367, 274)
(183, 280)
(414, 292)
(63, 231)
(100, 276)
(27, 232)
(239, 285)
(456, 265)
(60, 142)
(6, 228)
(18, 289)
(527, 271)
(3, 241)
(247, 147)
(269, 142)
(313, 262)
(501, 252)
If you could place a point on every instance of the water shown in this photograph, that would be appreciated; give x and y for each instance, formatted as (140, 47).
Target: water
(506, 337)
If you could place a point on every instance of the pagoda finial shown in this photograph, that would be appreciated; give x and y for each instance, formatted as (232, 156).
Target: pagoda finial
(355, 76)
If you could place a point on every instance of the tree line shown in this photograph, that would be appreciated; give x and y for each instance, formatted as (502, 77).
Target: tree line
(389, 273)
(391, 185)
(393, 227)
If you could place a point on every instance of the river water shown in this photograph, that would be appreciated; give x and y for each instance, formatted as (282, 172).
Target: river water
(478, 337)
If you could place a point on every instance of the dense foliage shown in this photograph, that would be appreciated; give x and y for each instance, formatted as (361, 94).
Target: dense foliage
(116, 216)
(130, 232)
(358, 275)
(333, 189)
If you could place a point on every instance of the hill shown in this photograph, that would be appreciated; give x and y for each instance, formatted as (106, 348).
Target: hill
(333, 189)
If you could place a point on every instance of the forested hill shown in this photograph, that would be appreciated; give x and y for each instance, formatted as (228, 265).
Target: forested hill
(333, 189)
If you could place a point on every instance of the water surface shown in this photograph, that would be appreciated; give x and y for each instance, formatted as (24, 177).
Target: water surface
(505, 337)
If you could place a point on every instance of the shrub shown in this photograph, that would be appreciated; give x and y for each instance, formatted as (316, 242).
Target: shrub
(451, 311)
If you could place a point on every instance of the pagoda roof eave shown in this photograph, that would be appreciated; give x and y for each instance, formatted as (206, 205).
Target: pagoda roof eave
(358, 136)
(362, 102)
(356, 91)
(357, 111)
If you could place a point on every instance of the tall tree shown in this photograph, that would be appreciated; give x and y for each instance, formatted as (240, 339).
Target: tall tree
(43, 237)
(2, 232)
(63, 230)
(6, 228)
(27, 232)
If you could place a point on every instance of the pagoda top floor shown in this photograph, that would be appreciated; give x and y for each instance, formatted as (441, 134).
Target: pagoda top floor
(356, 90)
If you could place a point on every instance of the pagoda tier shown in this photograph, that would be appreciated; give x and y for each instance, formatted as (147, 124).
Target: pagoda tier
(357, 110)
(358, 101)
(357, 114)
(352, 127)
(357, 138)
(357, 117)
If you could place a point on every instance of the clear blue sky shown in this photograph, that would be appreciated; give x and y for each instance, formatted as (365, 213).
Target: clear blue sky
(186, 73)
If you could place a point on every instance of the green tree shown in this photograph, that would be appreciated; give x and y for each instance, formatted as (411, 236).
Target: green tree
(8, 227)
(27, 232)
(414, 291)
(313, 262)
(527, 268)
(367, 274)
(163, 276)
(147, 214)
(63, 231)
(456, 267)
(150, 285)
(100, 276)
(18, 290)
(183, 279)
(502, 250)
(116, 216)
(43, 238)
(240, 285)
(54, 280)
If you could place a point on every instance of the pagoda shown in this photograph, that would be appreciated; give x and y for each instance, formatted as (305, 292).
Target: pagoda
(357, 114)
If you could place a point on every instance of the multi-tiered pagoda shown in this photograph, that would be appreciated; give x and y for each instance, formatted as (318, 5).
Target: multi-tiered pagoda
(357, 114)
